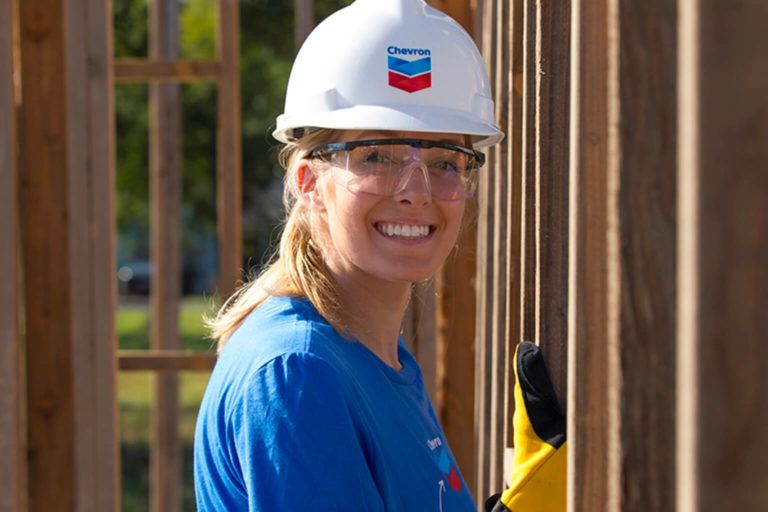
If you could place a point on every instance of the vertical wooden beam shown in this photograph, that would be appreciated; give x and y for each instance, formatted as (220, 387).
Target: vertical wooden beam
(552, 89)
(503, 310)
(90, 118)
(515, 64)
(45, 229)
(484, 405)
(92, 228)
(229, 200)
(11, 468)
(165, 256)
(527, 290)
(501, 209)
(723, 285)
(303, 21)
(593, 384)
(647, 96)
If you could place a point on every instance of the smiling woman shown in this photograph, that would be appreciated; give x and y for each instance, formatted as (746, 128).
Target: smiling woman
(315, 401)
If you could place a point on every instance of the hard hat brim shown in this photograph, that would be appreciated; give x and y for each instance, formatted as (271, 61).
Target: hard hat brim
(385, 118)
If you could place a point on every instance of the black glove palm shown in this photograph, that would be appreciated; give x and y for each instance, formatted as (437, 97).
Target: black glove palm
(539, 476)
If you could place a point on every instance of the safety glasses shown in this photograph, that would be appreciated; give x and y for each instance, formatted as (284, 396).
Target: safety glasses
(385, 167)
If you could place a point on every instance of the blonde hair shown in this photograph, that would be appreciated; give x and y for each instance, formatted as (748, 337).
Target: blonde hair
(297, 269)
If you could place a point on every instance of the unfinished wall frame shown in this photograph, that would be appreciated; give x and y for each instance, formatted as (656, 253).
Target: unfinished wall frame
(165, 71)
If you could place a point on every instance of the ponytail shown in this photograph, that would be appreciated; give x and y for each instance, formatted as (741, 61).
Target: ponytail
(298, 269)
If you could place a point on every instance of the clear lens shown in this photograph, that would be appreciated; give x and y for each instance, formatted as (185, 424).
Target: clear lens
(388, 169)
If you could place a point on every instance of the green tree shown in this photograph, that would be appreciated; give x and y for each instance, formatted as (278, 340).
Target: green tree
(267, 51)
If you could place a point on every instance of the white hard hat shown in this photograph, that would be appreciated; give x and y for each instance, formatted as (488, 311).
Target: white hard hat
(389, 65)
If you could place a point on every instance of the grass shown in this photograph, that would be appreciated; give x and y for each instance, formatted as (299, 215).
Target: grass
(135, 392)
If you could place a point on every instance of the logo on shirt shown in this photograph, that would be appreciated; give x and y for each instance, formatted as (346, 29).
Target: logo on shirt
(409, 75)
(443, 461)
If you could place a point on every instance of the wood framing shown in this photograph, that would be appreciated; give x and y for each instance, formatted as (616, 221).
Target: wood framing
(165, 360)
(489, 404)
(45, 244)
(11, 392)
(90, 116)
(551, 170)
(645, 251)
(66, 199)
(179, 70)
(593, 350)
(303, 21)
(165, 144)
(229, 158)
(621, 407)
(723, 277)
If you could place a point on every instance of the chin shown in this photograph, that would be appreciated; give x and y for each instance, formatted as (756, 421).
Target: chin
(411, 275)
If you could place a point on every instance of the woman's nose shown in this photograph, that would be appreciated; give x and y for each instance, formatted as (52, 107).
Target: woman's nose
(414, 187)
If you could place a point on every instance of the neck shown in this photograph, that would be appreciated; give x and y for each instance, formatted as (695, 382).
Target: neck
(374, 310)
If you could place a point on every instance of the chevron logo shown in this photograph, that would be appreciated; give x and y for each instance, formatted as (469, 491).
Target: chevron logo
(409, 75)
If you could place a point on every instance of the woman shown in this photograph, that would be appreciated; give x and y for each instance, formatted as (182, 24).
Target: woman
(315, 402)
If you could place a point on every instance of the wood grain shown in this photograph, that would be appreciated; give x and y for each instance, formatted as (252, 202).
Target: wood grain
(165, 360)
(179, 70)
(647, 222)
(11, 396)
(91, 189)
(723, 293)
(550, 211)
(484, 405)
(592, 361)
(44, 167)
(165, 257)
(229, 201)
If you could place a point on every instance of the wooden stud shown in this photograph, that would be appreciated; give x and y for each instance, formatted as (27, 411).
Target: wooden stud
(514, 140)
(181, 70)
(229, 201)
(11, 468)
(484, 405)
(550, 209)
(165, 360)
(503, 317)
(646, 255)
(90, 116)
(45, 232)
(723, 278)
(527, 289)
(303, 21)
(165, 257)
(593, 470)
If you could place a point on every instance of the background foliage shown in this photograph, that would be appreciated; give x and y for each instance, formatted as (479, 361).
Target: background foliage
(267, 49)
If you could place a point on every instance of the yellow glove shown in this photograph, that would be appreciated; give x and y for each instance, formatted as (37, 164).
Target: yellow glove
(539, 474)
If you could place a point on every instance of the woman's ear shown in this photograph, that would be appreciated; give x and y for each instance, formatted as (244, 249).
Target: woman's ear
(309, 192)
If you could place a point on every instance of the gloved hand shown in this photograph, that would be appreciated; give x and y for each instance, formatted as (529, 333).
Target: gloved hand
(539, 475)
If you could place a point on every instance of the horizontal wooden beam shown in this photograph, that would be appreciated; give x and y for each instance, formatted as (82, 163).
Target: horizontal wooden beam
(165, 360)
(143, 70)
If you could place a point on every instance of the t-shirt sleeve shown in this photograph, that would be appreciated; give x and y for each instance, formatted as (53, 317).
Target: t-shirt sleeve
(298, 444)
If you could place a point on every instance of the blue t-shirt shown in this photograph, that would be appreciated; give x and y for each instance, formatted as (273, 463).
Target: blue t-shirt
(297, 418)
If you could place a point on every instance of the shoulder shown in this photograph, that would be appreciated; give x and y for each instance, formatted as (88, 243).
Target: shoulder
(278, 328)
(283, 341)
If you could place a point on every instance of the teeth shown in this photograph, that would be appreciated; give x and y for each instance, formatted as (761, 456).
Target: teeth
(403, 230)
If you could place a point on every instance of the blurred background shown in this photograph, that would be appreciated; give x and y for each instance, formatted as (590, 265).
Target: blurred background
(266, 54)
